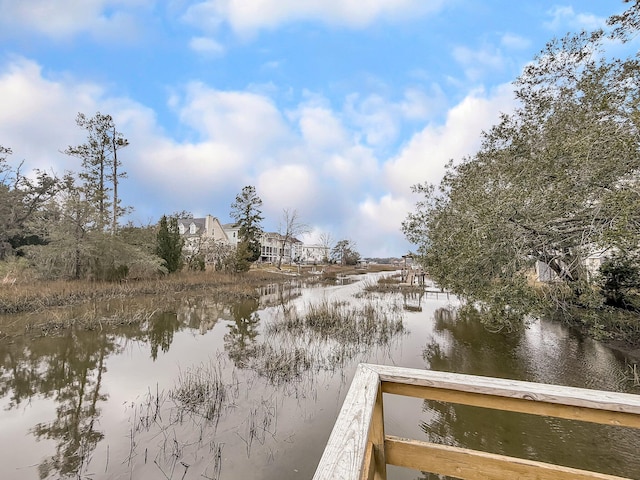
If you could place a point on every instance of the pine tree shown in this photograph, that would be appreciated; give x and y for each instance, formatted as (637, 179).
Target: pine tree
(247, 214)
(169, 243)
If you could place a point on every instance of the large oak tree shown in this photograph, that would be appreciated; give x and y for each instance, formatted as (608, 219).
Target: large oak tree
(554, 182)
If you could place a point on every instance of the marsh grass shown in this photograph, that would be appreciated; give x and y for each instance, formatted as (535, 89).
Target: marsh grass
(201, 391)
(324, 336)
(371, 323)
(88, 321)
(281, 364)
(391, 283)
(38, 296)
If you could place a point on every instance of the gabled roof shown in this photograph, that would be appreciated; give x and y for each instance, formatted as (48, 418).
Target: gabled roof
(186, 222)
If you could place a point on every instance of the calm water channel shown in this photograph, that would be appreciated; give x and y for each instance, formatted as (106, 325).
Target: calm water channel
(200, 389)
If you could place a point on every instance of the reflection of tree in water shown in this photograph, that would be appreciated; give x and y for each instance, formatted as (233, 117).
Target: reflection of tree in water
(161, 329)
(240, 340)
(562, 442)
(463, 352)
(70, 369)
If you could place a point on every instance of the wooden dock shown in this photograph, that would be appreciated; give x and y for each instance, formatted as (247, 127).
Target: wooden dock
(359, 449)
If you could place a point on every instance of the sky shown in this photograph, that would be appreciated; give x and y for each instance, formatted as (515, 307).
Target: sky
(331, 108)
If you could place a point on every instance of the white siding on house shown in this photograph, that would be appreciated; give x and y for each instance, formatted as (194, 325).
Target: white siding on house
(197, 230)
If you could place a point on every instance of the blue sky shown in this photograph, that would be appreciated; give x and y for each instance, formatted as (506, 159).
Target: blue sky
(333, 108)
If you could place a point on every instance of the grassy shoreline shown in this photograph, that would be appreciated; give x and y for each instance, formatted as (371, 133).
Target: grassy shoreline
(39, 296)
(33, 297)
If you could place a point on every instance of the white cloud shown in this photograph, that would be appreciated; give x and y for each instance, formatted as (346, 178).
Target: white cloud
(37, 114)
(245, 17)
(62, 19)
(514, 42)
(320, 128)
(566, 18)
(206, 46)
(386, 213)
(476, 62)
(287, 186)
(424, 157)
(380, 120)
(250, 122)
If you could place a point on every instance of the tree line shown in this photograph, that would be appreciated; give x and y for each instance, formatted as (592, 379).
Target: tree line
(69, 227)
(554, 184)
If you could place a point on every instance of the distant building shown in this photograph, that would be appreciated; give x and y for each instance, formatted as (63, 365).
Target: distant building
(196, 230)
(272, 248)
(592, 264)
(231, 230)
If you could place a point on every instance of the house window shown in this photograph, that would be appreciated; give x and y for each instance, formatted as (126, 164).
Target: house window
(192, 228)
(181, 228)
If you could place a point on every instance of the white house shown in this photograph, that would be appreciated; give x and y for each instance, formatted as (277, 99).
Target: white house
(592, 263)
(272, 247)
(196, 230)
(231, 229)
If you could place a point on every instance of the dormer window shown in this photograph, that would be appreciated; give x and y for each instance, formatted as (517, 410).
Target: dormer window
(192, 228)
(181, 228)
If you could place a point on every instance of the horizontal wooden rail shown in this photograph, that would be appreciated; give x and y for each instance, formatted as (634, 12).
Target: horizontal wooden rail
(358, 449)
(474, 465)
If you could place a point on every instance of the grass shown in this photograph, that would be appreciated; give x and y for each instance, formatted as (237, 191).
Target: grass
(367, 324)
(201, 391)
(38, 296)
(325, 336)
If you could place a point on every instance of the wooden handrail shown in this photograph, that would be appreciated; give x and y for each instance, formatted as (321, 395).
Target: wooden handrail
(358, 448)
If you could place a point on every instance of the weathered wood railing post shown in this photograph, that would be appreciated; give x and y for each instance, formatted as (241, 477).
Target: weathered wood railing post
(348, 447)
(376, 438)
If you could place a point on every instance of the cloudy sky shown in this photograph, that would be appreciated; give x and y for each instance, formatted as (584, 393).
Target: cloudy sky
(333, 108)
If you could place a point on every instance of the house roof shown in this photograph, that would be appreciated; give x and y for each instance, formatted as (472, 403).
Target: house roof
(199, 223)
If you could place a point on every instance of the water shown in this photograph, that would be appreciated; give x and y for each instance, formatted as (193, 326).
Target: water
(129, 401)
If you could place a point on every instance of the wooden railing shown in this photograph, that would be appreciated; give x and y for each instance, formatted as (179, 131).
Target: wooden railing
(359, 449)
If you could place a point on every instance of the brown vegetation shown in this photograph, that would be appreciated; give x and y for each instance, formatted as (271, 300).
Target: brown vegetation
(38, 296)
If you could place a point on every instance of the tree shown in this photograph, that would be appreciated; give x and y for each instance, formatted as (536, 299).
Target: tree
(551, 182)
(70, 221)
(22, 200)
(169, 243)
(344, 253)
(245, 210)
(326, 241)
(290, 228)
(101, 166)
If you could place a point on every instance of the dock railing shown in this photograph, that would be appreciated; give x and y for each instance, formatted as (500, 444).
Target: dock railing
(359, 449)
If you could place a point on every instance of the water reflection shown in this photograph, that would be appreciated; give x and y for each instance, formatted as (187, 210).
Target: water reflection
(204, 382)
(69, 369)
(162, 327)
(279, 293)
(523, 355)
(240, 340)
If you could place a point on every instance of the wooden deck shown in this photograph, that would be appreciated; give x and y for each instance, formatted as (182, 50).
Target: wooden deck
(359, 449)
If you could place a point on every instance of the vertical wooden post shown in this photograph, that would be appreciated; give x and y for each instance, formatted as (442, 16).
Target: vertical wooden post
(376, 437)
